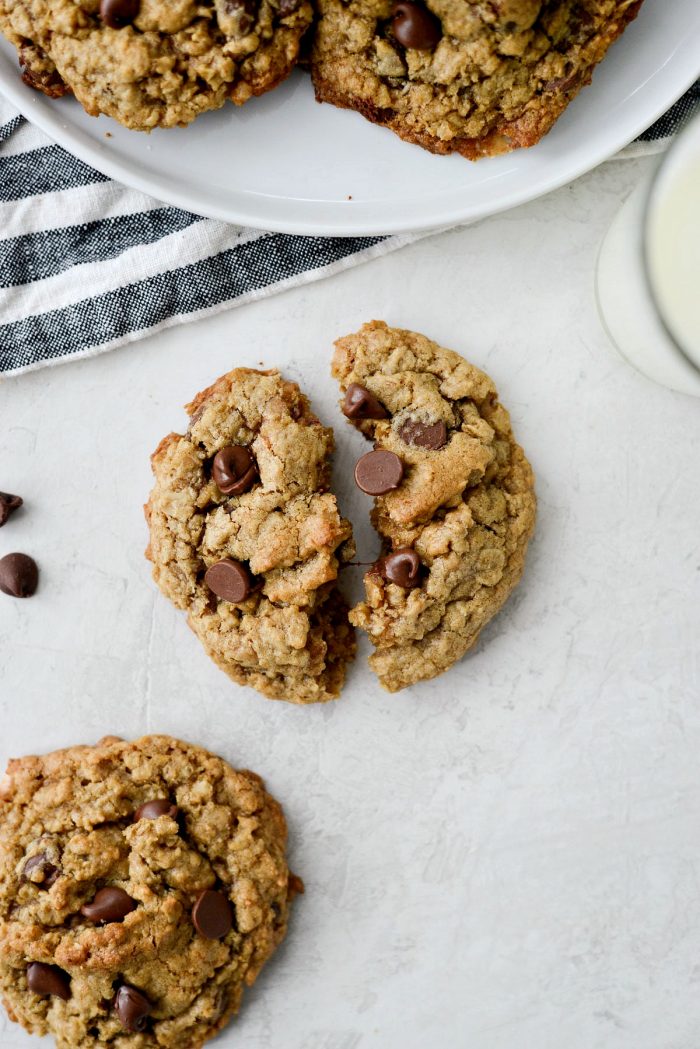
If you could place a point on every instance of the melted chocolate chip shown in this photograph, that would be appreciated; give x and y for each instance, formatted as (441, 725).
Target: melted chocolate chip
(424, 435)
(245, 11)
(401, 567)
(108, 905)
(234, 470)
(40, 74)
(19, 575)
(151, 810)
(46, 874)
(132, 1008)
(8, 505)
(378, 472)
(233, 6)
(360, 403)
(48, 980)
(212, 915)
(414, 26)
(229, 580)
(119, 13)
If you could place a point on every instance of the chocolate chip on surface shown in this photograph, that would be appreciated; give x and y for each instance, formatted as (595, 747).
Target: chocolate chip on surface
(132, 1008)
(360, 403)
(151, 810)
(110, 904)
(211, 915)
(40, 871)
(234, 470)
(288, 7)
(414, 26)
(401, 567)
(48, 980)
(19, 575)
(119, 13)
(229, 580)
(8, 505)
(424, 435)
(378, 472)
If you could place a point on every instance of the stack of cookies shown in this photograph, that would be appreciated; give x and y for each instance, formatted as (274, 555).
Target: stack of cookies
(476, 77)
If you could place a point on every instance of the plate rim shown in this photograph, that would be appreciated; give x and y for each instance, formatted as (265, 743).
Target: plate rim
(38, 110)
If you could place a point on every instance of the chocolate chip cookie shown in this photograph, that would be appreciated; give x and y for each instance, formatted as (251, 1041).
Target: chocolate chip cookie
(142, 887)
(247, 538)
(474, 77)
(155, 63)
(455, 501)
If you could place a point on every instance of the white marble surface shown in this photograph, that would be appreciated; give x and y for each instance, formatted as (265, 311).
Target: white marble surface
(507, 857)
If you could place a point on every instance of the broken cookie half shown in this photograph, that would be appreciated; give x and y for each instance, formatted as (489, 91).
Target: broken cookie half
(247, 538)
(454, 498)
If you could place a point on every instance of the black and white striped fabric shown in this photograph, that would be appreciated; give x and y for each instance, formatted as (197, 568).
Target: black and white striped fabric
(87, 264)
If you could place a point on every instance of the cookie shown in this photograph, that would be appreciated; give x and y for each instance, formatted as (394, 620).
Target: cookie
(475, 77)
(155, 63)
(142, 887)
(247, 538)
(455, 500)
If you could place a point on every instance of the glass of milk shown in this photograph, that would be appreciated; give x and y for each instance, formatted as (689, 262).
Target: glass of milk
(648, 278)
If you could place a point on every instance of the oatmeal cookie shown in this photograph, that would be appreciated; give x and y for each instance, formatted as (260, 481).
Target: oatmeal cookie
(476, 77)
(247, 538)
(455, 501)
(142, 887)
(155, 63)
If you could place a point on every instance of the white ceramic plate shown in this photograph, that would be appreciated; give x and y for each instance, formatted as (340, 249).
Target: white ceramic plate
(284, 163)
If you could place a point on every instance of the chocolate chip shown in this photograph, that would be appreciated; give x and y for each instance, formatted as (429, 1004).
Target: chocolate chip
(233, 6)
(229, 580)
(245, 11)
(132, 1008)
(212, 915)
(19, 575)
(413, 25)
(8, 505)
(378, 472)
(360, 403)
(288, 7)
(401, 567)
(234, 470)
(47, 873)
(39, 72)
(48, 979)
(151, 810)
(424, 435)
(108, 905)
(119, 13)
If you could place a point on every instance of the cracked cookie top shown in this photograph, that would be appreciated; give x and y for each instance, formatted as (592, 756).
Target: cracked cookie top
(155, 63)
(472, 76)
(246, 536)
(142, 886)
(455, 502)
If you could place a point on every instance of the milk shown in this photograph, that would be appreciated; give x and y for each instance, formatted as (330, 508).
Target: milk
(673, 247)
(648, 273)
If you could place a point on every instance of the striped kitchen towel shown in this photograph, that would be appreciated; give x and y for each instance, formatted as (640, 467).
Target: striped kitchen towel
(87, 264)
